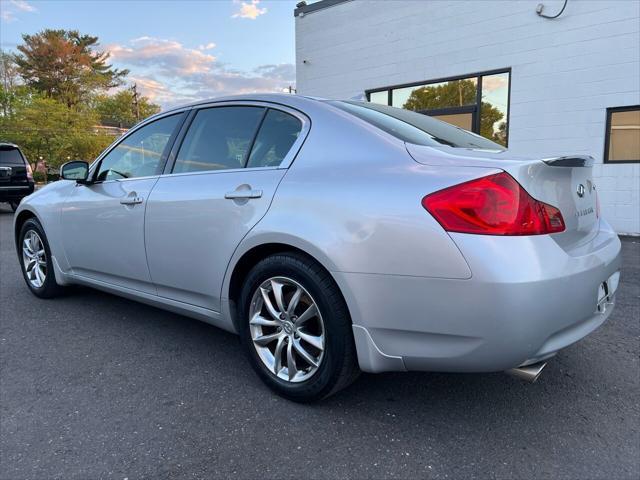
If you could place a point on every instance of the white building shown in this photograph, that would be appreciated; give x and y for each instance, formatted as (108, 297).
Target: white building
(545, 86)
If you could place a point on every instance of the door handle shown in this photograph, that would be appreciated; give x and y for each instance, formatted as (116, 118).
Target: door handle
(241, 194)
(135, 200)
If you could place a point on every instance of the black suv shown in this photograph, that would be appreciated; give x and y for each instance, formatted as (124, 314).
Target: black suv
(16, 180)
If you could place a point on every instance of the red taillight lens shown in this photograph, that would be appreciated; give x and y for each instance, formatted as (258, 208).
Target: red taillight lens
(29, 171)
(493, 205)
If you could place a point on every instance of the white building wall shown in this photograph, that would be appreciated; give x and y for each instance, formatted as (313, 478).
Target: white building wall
(565, 72)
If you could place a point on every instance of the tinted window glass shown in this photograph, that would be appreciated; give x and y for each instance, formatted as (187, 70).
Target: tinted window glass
(379, 97)
(462, 120)
(10, 156)
(624, 135)
(139, 154)
(277, 134)
(478, 103)
(219, 138)
(494, 108)
(436, 95)
(414, 127)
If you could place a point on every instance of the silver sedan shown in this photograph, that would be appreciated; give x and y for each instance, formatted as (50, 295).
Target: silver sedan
(334, 237)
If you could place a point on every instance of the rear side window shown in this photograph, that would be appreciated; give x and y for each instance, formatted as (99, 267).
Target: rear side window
(277, 134)
(10, 156)
(219, 138)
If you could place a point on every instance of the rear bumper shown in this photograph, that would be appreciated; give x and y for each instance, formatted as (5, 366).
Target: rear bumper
(15, 193)
(527, 299)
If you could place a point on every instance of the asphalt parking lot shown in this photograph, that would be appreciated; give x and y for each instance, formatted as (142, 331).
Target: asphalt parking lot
(95, 386)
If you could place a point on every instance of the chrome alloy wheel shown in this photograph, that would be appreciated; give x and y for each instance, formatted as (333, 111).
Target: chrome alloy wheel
(34, 259)
(287, 329)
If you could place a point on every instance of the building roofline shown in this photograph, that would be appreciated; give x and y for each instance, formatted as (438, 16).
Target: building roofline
(314, 7)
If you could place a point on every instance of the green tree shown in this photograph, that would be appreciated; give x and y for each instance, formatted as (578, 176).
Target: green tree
(65, 65)
(489, 116)
(9, 82)
(53, 98)
(119, 110)
(501, 135)
(455, 94)
(47, 129)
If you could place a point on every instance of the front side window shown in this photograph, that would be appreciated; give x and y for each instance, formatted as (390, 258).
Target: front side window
(622, 142)
(219, 138)
(277, 135)
(139, 154)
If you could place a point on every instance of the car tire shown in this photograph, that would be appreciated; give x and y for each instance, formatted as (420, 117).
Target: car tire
(326, 364)
(14, 206)
(37, 270)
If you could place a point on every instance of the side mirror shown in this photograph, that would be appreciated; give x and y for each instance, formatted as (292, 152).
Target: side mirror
(76, 170)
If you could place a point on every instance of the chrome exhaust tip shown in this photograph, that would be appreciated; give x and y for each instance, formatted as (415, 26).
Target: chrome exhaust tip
(528, 373)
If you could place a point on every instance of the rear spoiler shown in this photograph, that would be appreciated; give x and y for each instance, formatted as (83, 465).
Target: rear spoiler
(572, 161)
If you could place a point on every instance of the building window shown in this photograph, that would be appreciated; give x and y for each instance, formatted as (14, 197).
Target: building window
(477, 102)
(379, 97)
(622, 137)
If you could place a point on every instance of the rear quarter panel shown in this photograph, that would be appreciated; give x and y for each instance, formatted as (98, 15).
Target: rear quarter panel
(352, 199)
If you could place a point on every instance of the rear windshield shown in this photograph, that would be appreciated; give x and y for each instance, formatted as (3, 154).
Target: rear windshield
(416, 128)
(10, 156)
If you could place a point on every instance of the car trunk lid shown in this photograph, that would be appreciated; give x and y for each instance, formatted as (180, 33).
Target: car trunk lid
(563, 182)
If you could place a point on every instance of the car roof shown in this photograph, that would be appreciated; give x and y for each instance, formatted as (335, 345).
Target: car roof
(281, 98)
(7, 144)
(298, 102)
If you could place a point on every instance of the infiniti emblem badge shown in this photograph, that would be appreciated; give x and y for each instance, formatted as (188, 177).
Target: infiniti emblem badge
(581, 190)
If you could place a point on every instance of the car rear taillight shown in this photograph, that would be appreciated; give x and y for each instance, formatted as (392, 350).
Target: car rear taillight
(492, 205)
(29, 171)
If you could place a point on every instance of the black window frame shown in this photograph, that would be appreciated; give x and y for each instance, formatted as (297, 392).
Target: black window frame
(475, 109)
(607, 133)
(257, 134)
(186, 126)
(188, 121)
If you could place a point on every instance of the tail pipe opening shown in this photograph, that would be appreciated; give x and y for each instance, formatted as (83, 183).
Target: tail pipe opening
(528, 373)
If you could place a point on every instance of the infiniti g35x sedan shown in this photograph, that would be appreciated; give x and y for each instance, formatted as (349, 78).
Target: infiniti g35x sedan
(334, 237)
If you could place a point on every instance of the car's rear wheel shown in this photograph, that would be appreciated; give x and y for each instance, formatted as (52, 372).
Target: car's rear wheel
(35, 260)
(296, 328)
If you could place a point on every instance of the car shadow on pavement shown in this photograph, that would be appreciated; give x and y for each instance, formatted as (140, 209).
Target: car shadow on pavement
(214, 349)
(408, 412)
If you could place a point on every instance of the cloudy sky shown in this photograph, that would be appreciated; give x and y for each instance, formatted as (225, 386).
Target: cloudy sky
(177, 51)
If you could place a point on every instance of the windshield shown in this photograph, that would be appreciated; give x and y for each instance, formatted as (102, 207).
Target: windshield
(416, 128)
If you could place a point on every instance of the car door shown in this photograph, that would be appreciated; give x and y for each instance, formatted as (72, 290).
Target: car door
(103, 221)
(224, 176)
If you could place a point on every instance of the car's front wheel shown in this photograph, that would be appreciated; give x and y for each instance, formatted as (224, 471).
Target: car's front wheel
(296, 328)
(35, 260)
